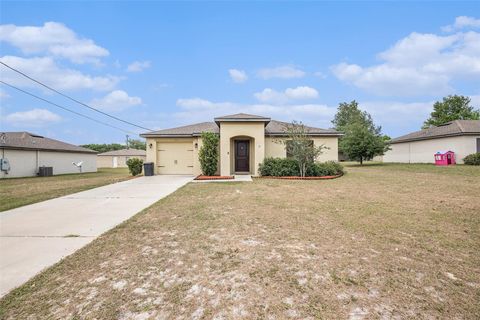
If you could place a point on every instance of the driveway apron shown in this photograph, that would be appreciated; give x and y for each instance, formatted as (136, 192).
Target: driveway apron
(37, 236)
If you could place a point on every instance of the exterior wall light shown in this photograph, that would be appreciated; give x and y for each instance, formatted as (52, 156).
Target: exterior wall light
(150, 146)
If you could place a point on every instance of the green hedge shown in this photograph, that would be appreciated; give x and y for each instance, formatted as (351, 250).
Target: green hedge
(283, 167)
(320, 169)
(135, 166)
(472, 159)
(279, 167)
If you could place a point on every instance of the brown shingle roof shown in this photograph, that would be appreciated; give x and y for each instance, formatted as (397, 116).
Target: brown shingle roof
(124, 152)
(242, 116)
(184, 131)
(452, 128)
(273, 128)
(30, 141)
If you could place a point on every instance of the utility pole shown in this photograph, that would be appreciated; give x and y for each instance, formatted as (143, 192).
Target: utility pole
(127, 142)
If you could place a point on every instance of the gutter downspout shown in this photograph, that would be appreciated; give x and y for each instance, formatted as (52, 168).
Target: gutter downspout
(409, 152)
(37, 161)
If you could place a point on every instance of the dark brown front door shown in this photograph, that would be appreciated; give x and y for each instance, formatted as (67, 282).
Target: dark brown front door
(242, 156)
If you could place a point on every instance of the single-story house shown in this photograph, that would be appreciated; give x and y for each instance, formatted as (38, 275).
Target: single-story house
(245, 140)
(459, 136)
(118, 158)
(23, 153)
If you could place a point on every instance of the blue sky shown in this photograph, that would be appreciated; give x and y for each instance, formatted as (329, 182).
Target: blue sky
(167, 64)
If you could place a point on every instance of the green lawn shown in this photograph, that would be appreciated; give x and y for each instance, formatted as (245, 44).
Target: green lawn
(382, 242)
(17, 192)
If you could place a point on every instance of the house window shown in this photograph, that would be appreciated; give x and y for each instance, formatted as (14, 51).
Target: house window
(290, 147)
(478, 144)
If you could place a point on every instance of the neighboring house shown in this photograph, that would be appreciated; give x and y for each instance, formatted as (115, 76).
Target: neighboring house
(245, 140)
(459, 136)
(26, 152)
(118, 158)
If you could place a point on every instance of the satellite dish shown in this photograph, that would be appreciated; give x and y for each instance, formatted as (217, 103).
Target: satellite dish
(78, 164)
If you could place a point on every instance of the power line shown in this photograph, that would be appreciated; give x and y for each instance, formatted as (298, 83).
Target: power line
(66, 109)
(72, 99)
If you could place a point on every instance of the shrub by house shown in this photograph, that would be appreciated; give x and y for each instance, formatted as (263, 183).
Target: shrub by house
(472, 159)
(135, 166)
(284, 167)
(208, 154)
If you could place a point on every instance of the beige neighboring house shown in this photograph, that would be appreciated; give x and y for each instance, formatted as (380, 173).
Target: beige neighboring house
(459, 136)
(245, 140)
(23, 153)
(118, 158)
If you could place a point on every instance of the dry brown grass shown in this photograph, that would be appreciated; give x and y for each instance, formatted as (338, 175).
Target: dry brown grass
(18, 192)
(382, 242)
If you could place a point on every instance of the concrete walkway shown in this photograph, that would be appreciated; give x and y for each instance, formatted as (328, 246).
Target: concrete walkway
(37, 236)
(238, 178)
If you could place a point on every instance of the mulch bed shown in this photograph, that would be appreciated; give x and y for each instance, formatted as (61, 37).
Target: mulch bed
(302, 178)
(200, 177)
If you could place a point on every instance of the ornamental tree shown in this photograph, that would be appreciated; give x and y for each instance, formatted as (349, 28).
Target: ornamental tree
(360, 143)
(300, 146)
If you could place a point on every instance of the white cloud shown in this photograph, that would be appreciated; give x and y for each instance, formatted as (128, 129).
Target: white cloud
(475, 101)
(282, 72)
(396, 112)
(269, 95)
(420, 64)
(300, 93)
(54, 39)
(238, 76)
(32, 118)
(462, 22)
(3, 94)
(138, 66)
(46, 70)
(117, 100)
(198, 109)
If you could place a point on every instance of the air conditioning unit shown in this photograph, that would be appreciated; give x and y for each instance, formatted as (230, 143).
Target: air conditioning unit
(45, 171)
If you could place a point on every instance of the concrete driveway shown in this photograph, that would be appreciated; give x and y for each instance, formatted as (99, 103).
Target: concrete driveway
(37, 236)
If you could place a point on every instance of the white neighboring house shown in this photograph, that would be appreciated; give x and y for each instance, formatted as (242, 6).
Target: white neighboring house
(459, 136)
(118, 158)
(23, 153)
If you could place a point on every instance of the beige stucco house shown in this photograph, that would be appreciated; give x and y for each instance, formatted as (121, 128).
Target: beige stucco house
(23, 153)
(245, 140)
(459, 136)
(118, 158)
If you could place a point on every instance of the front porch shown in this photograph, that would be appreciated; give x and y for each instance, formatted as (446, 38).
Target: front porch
(242, 147)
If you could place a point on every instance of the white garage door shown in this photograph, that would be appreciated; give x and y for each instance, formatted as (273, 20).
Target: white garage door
(175, 158)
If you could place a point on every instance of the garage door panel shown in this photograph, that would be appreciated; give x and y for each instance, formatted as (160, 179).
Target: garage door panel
(175, 158)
